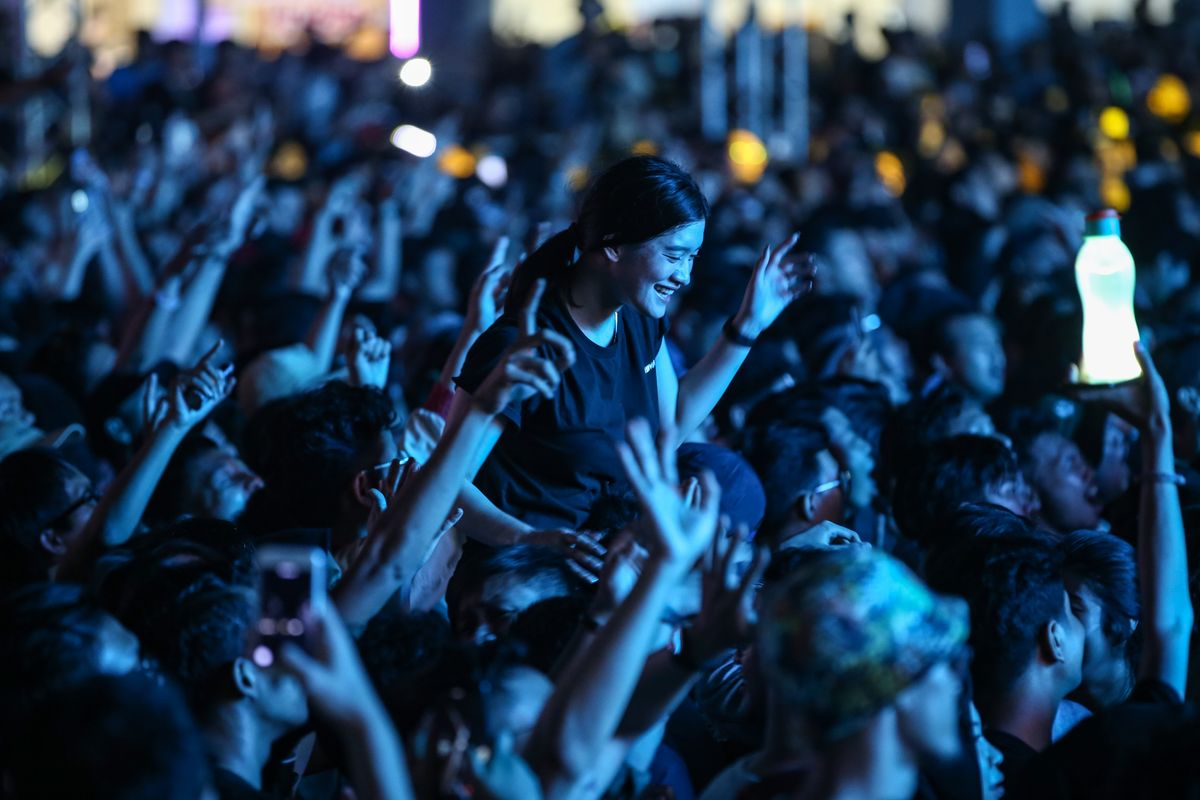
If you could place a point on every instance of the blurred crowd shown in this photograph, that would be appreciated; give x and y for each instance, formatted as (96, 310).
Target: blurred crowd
(903, 557)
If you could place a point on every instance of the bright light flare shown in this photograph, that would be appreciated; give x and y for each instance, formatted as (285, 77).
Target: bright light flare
(492, 171)
(414, 141)
(404, 16)
(416, 72)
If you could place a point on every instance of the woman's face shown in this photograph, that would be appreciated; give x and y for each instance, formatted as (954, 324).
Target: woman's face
(647, 275)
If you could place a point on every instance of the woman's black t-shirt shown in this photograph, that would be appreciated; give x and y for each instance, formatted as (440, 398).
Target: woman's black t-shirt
(556, 457)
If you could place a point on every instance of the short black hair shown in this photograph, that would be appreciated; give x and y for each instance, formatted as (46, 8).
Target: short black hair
(1108, 567)
(785, 458)
(398, 649)
(1014, 586)
(921, 422)
(50, 634)
(523, 563)
(198, 635)
(953, 471)
(32, 494)
(307, 448)
(110, 738)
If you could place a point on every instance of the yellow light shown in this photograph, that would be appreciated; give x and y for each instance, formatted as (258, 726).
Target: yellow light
(644, 147)
(931, 138)
(366, 44)
(44, 174)
(1116, 158)
(290, 162)
(747, 156)
(457, 161)
(890, 171)
(1169, 99)
(1169, 150)
(578, 177)
(1030, 175)
(1191, 143)
(1114, 123)
(952, 158)
(1114, 193)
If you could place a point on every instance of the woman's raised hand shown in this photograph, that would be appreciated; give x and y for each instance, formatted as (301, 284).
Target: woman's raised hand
(774, 284)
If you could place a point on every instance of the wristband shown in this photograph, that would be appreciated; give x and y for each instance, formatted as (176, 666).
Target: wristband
(1164, 477)
(735, 336)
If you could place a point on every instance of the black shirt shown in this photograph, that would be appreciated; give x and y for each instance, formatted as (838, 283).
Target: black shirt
(1143, 748)
(556, 457)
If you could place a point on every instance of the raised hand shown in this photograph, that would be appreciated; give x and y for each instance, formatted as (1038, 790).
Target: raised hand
(727, 602)
(680, 530)
(489, 291)
(241, 215)
(331, 672)
(774, 284)
(1143, 402)
(523, 372)
(193, 397)
(584, 551)
(621, 568)
(346, 272)
(367, 359)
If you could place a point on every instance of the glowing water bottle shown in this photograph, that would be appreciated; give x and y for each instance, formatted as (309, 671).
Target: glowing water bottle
(1105, 275)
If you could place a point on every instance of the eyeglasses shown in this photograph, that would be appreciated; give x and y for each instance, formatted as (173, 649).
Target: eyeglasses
(842, 481)
(89, 496)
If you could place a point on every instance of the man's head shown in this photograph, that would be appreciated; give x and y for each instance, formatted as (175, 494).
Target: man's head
(487, 593)
(44, 505)
(54, 637)
(110, 738)
(805, 484)
(314, 451)
(853, 634)
(200, 639)
(1101, 577)
(1022, 626)
(968, 351)
(954, 471)
(203, 480)
(1057, 471)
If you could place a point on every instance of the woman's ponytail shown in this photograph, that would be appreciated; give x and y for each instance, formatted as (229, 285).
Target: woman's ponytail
(550, 261)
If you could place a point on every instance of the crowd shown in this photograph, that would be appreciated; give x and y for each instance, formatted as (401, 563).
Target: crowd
(627, 475)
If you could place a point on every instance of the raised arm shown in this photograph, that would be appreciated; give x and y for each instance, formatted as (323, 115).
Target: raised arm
(200, 292)
(1167, 613)
(404, 535)
(341, 694)
(593, 692)
(345, 273)
(116, 517)
(384, 282)
(774, 284)
(483, 307)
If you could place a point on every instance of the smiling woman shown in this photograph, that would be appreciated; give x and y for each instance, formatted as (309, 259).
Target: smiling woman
(609, 279)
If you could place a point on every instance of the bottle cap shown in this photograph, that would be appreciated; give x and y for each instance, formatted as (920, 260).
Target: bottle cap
(1105, 222)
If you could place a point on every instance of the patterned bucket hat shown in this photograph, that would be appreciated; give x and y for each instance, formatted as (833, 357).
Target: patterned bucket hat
(849, 631)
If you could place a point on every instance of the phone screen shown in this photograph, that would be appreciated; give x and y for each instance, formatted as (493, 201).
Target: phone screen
(292, 580)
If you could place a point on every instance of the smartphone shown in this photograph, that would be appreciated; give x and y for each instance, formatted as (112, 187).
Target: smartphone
(292, 580)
